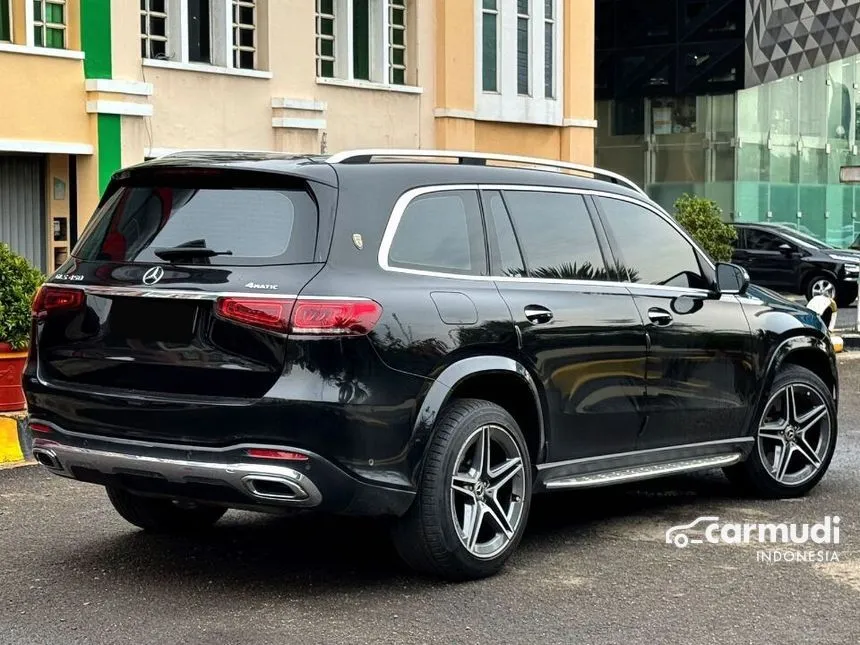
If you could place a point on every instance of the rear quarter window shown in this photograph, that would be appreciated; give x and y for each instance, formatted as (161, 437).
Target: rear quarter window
(441, 232)
(257, 224)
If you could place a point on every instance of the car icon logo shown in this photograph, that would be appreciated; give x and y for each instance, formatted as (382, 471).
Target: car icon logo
(677, 534)
(153, 275)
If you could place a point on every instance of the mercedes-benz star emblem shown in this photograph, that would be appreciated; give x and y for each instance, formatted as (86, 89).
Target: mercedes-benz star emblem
(153, 275)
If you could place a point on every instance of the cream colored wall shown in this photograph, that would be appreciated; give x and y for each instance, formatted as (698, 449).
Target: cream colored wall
(204, 110)
(48, 99)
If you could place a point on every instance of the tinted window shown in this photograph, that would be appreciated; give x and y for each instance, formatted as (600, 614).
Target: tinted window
(505, 256)
(650, 249)
(441, 232)
(256, 225)
(556, 235)
(758, 240)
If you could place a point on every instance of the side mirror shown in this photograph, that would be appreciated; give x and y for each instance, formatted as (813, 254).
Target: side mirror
(732, 279)
(786, 249)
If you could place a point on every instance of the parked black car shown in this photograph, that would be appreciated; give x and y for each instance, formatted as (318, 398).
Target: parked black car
(780, 258)
(378, 335)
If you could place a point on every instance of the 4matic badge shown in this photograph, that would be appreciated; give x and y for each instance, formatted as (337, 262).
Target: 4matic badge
(256, 285)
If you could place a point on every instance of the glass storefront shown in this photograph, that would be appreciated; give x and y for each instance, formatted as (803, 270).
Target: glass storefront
(771, 152)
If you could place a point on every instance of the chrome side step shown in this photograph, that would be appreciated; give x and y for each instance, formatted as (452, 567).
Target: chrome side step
(636, 473)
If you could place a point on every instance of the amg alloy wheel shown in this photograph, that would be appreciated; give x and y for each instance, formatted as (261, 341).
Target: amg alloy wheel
(487, 490)
(794, 438)
(474, 494)
(794, 434)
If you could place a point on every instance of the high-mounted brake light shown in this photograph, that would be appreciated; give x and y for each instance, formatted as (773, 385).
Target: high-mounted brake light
(282, 455)
(50, 298)
(309, 316)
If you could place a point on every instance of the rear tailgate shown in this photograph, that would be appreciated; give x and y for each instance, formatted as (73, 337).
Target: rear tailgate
(126, 315)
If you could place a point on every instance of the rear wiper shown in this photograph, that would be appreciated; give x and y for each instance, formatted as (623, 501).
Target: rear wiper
(178, 252)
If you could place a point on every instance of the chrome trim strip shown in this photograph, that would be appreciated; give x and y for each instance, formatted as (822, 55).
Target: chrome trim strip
(186, 294)
(190, 294)
(181, 471)
(638, 473)
(347, 155)
(647, 451)
(406, 198)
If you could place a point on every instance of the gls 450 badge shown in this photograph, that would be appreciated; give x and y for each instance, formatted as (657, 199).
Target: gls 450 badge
(256, 285)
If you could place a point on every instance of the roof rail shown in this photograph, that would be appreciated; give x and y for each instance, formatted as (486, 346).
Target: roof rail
(481, 159)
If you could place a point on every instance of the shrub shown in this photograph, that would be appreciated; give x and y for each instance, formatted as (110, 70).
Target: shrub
(18, 284)
(703, 219)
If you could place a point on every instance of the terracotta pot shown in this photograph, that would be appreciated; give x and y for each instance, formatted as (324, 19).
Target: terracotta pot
(11, 368)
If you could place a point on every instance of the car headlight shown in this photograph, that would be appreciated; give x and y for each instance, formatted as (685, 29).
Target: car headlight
(852, 268)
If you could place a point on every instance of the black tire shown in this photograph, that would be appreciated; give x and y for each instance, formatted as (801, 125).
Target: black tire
(426, 537)
(162, 515)
(846, 295)
(752, 476)
(815, 279)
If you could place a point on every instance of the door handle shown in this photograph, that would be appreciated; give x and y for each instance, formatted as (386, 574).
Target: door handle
(659, 317)
(537, 315)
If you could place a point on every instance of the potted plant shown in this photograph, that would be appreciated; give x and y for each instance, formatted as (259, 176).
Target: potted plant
(18, 285)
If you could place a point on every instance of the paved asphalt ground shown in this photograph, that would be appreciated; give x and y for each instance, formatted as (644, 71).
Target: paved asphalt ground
(593, 568)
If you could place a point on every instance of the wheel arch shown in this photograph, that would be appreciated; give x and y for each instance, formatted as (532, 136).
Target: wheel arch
(498, 379)
(804, 351)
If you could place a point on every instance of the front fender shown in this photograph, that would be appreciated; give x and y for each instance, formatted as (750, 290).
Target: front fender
(440, 390)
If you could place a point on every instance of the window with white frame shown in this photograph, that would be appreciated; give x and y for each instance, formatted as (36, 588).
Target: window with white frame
(49, 23)
(490, 45)
(244, 33)
(5, 20)
(211, 32)
(518, 51)
(153, 28)
(549, 49)
(523, 57)
(363, 40)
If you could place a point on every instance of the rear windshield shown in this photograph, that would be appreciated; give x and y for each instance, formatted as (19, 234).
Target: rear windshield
(241, 225)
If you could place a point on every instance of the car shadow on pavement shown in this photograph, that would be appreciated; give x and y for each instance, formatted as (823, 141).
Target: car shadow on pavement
(310, 553)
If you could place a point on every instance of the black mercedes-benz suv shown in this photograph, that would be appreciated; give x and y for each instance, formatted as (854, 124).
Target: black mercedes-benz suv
(428, 337)
(781, 258)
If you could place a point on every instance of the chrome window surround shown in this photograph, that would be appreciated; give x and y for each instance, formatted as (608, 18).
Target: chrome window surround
(403, 202)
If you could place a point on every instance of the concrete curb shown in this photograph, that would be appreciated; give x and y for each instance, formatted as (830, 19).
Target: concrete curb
(851, 341)
(15, 444)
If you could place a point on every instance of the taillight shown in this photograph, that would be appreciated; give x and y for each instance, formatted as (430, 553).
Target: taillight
(311, 316)
(50, 298)
(342, 317)
(258, 312)
(282, 455)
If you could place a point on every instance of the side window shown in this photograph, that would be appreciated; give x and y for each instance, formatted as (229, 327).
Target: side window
(505, 257)
(758, 240)
(441, 232)
(741, 240)
(556, 235)
(649, 249)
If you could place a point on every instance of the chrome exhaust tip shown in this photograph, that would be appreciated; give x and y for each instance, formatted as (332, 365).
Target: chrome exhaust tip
(273, 487)
(47, 458)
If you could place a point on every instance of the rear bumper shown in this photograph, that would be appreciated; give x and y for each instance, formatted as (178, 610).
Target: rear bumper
(223, 476)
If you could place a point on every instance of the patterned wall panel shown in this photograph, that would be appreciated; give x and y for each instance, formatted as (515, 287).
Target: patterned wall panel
(784, 37)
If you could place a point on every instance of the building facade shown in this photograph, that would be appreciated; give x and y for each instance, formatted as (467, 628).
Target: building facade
(95, 85)
(753, 103)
